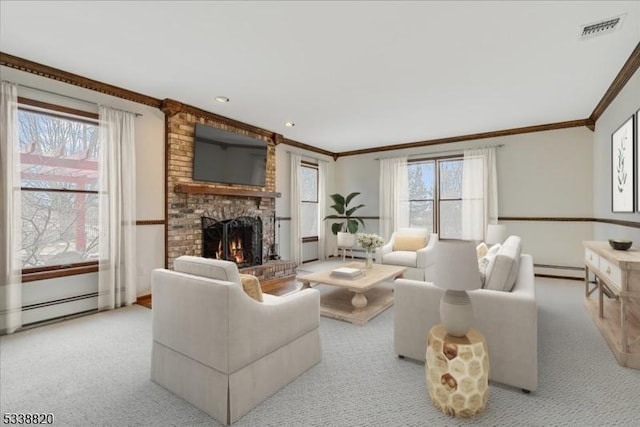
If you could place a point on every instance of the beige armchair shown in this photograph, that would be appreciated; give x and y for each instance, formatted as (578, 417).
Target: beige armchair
(412, 248)
(221, 350)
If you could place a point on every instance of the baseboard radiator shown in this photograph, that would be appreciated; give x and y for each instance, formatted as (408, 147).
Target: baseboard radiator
(559, 271)
(60, 298)
(36, 314)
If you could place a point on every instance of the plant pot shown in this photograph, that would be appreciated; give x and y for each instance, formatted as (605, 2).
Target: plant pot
(346, 240)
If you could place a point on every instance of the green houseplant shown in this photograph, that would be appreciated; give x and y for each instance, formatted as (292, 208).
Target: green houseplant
(345, 212)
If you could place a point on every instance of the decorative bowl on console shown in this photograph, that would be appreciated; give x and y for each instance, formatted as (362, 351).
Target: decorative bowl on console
(619, 244)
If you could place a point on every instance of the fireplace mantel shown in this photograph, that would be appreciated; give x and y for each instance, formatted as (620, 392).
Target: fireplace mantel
(222, 191)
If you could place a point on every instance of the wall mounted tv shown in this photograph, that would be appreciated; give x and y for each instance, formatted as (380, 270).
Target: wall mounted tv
(229, 158)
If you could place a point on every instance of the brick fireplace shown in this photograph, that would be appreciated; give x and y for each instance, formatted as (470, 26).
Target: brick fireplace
(188, 201)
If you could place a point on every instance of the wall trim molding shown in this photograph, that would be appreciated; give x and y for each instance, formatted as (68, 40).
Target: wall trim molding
(624, 223)
(171, 107)
(308, 147)
(631, 224)
(76, 80)
(473, 136)
(150, 222)
(544, 218)
(626, 72)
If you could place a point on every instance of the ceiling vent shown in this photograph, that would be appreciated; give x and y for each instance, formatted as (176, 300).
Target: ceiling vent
(600, 28)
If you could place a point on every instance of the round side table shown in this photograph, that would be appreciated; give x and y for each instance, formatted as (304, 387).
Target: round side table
(457, 370)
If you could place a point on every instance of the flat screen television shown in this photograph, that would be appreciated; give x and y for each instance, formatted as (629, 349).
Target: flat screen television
(228, 158)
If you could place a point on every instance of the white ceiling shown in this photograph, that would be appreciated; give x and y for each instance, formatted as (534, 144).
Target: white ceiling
(350, 75)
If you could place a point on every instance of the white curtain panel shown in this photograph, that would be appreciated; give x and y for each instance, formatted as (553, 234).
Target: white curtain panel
(479, 193)
(296, 233)
(394, 196)
(10, 212)
(117, 268)
(322, 208)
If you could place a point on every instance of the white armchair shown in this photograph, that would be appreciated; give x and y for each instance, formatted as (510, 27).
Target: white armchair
(412, 248)
(221, 350)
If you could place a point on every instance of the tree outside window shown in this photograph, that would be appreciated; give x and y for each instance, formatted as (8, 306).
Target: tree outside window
(309, 199)
(435, 196)
(421, 194)
(59, 183)
(450, 198)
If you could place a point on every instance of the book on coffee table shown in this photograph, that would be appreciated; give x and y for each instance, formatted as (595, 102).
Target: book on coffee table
(346, 272)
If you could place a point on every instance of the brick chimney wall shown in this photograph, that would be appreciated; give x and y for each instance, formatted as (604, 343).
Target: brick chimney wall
(184, 236)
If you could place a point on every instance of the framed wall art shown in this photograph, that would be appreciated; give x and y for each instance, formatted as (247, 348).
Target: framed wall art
(623, 167)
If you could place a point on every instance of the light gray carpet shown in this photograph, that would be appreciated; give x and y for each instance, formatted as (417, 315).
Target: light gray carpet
(94, 371)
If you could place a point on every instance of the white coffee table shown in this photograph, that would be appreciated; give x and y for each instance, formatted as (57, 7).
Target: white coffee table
(356, 300)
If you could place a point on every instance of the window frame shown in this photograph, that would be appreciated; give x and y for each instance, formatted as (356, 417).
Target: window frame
(436, 183)
(30, 274)
(310, 165)
(435, 193)
(438, 180)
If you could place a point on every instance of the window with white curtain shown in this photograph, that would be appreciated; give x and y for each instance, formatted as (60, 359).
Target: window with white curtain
(422, 194)
(59, 187)
(435, 195)
(309, 200)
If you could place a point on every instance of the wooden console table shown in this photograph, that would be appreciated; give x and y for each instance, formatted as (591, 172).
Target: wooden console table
(617, 274)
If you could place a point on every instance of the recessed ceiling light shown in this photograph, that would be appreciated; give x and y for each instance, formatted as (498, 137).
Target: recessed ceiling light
(222, 99)
(289, 124)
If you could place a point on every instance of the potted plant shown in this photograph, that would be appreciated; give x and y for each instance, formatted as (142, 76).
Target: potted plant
(345, 230)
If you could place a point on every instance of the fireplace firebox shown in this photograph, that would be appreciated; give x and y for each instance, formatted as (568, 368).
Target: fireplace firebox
(238, 240)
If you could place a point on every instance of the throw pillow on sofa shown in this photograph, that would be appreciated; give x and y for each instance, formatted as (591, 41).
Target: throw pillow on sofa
(486, 261)
(251, 286)
(409, 243)
(501, 274)
(481, 250)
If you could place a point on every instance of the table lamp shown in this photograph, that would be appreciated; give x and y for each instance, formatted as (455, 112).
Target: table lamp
(456, 272)
(496, 233)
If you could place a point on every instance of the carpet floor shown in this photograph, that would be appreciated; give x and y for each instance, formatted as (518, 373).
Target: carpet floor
(94, 371)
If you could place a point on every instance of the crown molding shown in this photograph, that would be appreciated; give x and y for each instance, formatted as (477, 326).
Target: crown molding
(307, 147)
(470, 137)
(171, 107)
(76, 80)
(628, 70)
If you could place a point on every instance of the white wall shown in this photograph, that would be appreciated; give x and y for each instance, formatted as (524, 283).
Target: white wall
(149, 177)
(543, 174)
(626, 103)
(548, 174)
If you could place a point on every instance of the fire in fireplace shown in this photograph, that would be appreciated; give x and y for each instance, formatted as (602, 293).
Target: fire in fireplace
(238, 240)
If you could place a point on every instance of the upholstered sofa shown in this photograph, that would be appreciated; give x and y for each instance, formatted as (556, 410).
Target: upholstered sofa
(411, 248)
(221, 350)
(508, 320)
